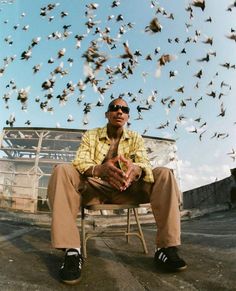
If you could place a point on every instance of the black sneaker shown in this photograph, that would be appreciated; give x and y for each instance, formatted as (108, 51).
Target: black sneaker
(70, 271)
(169, 259)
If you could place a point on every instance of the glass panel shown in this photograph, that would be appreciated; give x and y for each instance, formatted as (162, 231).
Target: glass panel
(19, 144)
(60, 145)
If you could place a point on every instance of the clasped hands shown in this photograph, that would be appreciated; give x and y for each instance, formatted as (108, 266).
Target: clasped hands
(117, 178)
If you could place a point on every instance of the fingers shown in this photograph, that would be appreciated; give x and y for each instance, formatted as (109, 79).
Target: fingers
(129, 171)
(115, 159)
(123, 159)
(116, 173)
(129, 165)
(117, 185)
(116, 177)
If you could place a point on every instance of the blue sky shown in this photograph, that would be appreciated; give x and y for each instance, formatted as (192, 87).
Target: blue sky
(200, 162)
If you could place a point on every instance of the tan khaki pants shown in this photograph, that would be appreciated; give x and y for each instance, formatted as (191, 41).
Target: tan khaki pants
(68, 189)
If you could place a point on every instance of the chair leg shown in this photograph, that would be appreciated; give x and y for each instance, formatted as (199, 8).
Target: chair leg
(140, 231)
(128, 225)
(83, 234)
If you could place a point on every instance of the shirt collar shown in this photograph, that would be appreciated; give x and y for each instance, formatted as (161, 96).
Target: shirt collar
(103, 133)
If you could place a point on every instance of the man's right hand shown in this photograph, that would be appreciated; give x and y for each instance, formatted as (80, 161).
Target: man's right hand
(113, 175)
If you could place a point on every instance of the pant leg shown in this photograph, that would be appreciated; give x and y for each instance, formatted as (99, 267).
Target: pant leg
(165, 201)
(164, 197)
(96, 191)
(137, 193)
(64, 200)
(67, 190)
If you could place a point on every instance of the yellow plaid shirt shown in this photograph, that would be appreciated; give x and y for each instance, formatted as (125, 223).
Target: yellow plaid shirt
(95, 145)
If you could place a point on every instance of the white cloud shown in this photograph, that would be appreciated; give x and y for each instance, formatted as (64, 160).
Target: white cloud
(193, 177)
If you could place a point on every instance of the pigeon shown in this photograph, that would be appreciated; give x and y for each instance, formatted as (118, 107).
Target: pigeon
(48, 84)
(232, 36)
(36, 68)
(154, 26)
(162, 61)
(199, 3)
(222, 110)
(61, 53)
(11, 120)
(115, 4)
(70, 118)
(26, 54)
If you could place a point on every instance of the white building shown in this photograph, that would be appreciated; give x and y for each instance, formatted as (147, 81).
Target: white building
(27, 156)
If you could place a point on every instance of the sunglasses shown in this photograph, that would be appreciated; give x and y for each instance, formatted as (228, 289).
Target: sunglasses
(116, 107)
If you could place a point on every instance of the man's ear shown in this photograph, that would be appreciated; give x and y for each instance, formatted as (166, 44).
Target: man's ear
(106, 114)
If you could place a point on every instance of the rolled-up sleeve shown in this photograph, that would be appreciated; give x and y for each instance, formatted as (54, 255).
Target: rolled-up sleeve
(141, 159)
(83, 159)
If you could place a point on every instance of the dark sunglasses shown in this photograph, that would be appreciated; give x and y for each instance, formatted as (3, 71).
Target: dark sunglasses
(116, 107)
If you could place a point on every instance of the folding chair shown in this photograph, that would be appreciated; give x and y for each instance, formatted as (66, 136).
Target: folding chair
(107, 232)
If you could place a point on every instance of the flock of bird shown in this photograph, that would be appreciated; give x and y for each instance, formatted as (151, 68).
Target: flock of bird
(103, 66)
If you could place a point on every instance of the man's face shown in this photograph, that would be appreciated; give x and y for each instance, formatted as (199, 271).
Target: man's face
(117, 113)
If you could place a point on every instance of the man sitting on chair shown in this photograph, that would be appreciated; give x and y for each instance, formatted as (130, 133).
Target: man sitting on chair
(111, 166)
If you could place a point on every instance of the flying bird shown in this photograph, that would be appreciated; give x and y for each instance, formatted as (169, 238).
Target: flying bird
(115, 4)
(36, 68)
(162, 61)
(180, 89)
(222, 110)
(61, 53)
(128, 54)
(11, 120)
(141, 108)
(199, 3)
(201, 134)
(48, 84)
(232, 154)
(154, 26)
(232, 36)
(26, 54)
(70, 118)
(198, 74)
(231, 6)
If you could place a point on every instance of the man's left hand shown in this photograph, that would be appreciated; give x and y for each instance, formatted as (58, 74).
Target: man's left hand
(133, 172)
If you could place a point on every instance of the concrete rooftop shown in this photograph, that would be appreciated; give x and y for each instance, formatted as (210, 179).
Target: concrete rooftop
(209, 248)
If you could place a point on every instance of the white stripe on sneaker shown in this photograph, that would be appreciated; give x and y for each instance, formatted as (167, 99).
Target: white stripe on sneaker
(162, 256)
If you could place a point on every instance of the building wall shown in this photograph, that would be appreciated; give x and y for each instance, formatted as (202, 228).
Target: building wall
(214, 194)
(6, 182)
(163, 153)
(17, 187)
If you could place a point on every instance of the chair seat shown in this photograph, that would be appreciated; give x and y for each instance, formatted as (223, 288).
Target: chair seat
(110, 206)
(87, 234)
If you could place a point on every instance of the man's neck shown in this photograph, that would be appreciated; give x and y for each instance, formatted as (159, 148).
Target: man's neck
(114, 132)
